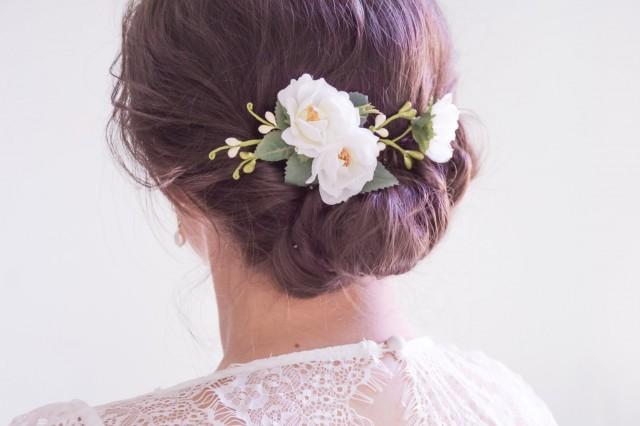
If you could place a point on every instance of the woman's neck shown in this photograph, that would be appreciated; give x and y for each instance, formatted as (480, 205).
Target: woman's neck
(256, 320)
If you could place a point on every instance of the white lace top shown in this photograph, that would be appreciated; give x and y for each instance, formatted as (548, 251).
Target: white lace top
(417, 382)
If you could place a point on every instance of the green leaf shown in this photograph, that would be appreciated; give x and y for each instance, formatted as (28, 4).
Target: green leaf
(282, 117)
(422, 131)
(298, 170)
(273, 148)
(423, 120)
(358, 99)
(382, 178)
(421, 137)
(361, 102)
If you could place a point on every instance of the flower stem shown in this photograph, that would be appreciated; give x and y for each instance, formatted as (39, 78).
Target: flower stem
(407, 155)
(236, 172)
(402, 135)
(256, 116)
(392, 143)
(367, 109)
(385, 122)
(250, 142)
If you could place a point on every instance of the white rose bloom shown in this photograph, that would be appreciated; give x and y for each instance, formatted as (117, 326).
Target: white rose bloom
(345, 165)
(445, 123)
(318, 114)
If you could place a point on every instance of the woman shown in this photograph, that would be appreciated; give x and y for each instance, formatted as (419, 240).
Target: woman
(311, 149)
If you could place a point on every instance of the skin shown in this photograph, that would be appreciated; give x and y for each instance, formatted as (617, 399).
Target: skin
(257, 320)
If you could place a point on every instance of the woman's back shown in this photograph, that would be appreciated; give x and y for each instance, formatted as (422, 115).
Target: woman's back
(417, 382)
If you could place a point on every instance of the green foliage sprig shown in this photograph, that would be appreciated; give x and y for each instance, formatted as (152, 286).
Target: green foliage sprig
(420, 127)
(271, 147)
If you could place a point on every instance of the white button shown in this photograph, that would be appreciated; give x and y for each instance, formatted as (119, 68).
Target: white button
(395, 343)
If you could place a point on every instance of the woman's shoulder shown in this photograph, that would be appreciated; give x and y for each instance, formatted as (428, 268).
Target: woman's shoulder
(482, 389)
(69, 413)
(438, 384)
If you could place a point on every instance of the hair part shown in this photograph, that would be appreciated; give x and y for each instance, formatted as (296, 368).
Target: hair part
(185, 72)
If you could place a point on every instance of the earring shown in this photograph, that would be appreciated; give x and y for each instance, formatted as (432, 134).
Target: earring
(178, 237)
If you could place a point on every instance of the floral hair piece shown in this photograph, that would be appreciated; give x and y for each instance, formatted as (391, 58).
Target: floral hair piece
(318, 131)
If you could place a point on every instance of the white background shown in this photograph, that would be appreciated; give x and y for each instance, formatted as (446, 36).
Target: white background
(539, 268)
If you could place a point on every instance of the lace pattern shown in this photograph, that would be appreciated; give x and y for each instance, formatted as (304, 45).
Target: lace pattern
(304, 393)
(73, 413)
(440, 386)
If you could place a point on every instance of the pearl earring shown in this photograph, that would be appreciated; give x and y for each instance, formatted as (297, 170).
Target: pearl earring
(178, 237)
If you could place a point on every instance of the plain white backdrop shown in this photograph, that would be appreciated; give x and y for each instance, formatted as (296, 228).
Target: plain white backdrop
(539, 268)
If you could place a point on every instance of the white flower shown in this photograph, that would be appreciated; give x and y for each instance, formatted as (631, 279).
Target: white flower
(345, 165)
(445, 123)
(319, 114)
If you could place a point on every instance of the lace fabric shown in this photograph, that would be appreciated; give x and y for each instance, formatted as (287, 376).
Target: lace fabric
(439, 385)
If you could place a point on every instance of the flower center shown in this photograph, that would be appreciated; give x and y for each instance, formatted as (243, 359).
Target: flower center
(312, 114)
(345, 156)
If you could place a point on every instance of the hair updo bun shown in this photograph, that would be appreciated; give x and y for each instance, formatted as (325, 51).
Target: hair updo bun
(186, 71)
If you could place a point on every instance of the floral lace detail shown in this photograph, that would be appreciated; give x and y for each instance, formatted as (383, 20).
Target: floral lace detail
(439, 385)
(312, 392)
(192, 405)
(304, 393)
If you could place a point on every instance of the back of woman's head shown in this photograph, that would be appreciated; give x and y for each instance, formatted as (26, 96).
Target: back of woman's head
(187, 70)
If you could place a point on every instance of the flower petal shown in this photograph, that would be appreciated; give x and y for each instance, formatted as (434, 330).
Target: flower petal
(440, 151)
(232, 152)
(271, 118)
(232, 141)
(264, 129)
(383, 132)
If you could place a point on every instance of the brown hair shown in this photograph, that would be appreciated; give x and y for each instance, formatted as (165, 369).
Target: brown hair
(186, 71)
